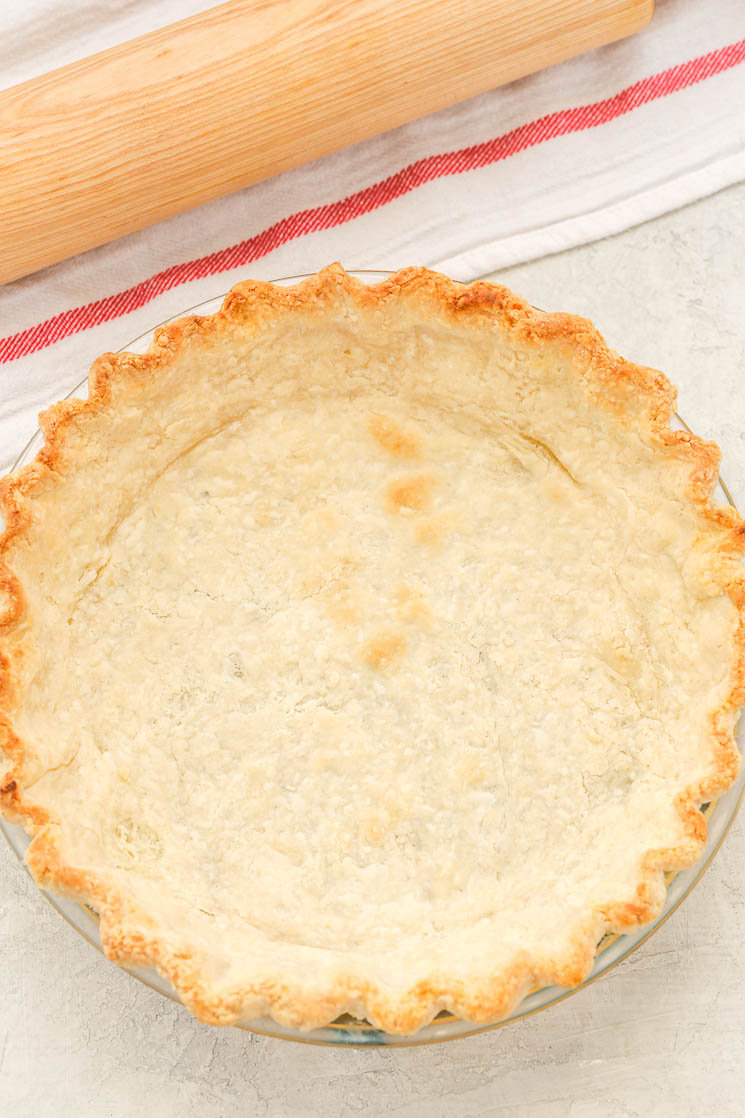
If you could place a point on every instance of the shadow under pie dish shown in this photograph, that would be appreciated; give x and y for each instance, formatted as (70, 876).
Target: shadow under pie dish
(369, 650)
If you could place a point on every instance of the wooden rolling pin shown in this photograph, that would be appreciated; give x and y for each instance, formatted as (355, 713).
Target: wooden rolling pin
(186, 114)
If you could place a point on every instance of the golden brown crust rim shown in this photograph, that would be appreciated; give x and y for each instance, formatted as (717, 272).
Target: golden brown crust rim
(494, 996)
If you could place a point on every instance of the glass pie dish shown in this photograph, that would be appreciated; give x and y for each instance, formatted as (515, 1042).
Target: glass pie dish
(346, 1030)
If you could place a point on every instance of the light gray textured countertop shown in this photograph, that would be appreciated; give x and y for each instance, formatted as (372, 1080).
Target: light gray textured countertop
(663, 1034)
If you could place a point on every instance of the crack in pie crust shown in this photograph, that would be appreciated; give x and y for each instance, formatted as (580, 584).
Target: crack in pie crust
(367, 650)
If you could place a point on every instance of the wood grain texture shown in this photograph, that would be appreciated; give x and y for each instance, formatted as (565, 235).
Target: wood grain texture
(243, 91)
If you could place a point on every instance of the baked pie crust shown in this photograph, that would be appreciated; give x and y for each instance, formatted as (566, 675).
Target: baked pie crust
(367, 650)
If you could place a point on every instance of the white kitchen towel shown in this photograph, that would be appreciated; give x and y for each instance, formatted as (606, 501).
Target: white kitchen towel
(584, 149)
